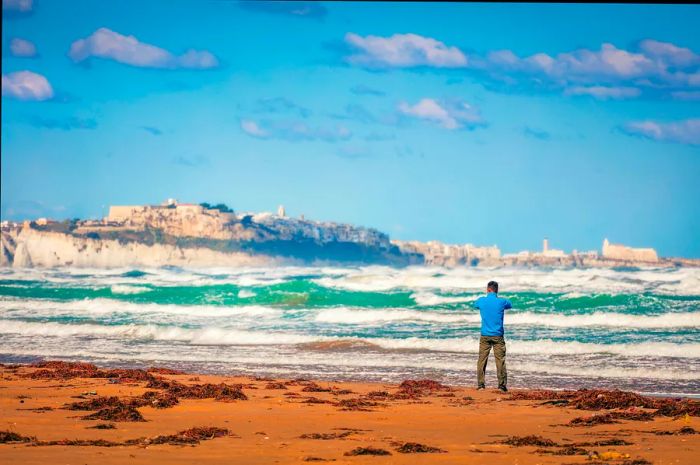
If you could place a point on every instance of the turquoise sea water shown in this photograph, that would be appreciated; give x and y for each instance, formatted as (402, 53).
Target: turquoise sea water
(629, 328)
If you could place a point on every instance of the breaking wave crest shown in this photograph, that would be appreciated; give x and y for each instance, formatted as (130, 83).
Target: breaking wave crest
(231, 336)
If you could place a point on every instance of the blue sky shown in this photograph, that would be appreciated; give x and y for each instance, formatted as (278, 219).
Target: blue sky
(456, 122)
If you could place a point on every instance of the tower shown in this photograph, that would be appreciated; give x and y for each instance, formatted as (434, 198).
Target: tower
(545, 245)
(280, 211)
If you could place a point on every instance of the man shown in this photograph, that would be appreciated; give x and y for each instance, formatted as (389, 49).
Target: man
(491, 307)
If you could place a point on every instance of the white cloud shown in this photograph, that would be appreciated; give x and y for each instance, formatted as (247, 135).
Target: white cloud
(107, 44)
(682, 132)
(402, 51)
(22, 48)
(26, 85)
(669, 53)
(603, 92)
(581, 65)
(251, 127)
(454, 114)
(293, 130)
(22, 6)
(609, 72)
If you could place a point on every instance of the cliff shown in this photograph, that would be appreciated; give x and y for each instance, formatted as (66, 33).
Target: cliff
(34, 248)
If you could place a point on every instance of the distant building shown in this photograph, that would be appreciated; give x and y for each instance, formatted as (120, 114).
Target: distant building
(623, 252)
(44, 221)
(280, 211)
(553, 253)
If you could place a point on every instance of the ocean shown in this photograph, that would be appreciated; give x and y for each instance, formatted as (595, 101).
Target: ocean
(628, 328)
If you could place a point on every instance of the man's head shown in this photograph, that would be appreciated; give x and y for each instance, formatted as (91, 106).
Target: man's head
(492, 286)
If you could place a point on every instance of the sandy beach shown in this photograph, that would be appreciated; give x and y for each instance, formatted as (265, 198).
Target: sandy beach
(161, 416)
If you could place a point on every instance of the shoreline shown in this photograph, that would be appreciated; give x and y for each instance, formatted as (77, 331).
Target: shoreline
(199, 418)
(334, 377)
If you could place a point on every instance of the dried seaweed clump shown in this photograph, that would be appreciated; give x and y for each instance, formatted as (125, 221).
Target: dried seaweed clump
(119, 413)
(10, 436)
(418, 448)
(327, 436)
(412, 389)
(532, 440)
(359, 404)
(220, 392)
(314, 387)
(189, 436)
(69, 370)
(601, 399)
(103, 426)
(165, 371)
(275, 385)
(683, 431)
(369, 450)
(611, 418)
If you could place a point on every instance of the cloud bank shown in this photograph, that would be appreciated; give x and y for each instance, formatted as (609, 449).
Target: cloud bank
(402, 51)
(682, 132)
(651, 66)
(26, 85)
(107, 44)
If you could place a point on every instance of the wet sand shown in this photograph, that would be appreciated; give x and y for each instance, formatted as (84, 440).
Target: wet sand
(299, 421)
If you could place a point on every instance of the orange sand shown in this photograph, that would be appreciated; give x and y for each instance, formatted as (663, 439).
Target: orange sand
(267, 427)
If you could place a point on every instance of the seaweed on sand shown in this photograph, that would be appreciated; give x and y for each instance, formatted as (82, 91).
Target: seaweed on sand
(358, 404)
(95, 404)
(327, 436)
(103, 426)
(611, 418)
(369, 450)
(418, 448)
(565, 450)
(69, 370)
(276, 385)
(413, 389)
(601, 399)
(683, 431)
(165, 371)
(315, 400)
(118, 413)
(314, 387)
(220, 392)
(10, 436)
(189, 436)
(532, 440)
(155, 399)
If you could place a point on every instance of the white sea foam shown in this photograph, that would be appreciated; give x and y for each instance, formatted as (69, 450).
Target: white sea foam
(681, 281)
(126, 289)
(42, 307)
(428, 299)
(368, 317)
(231, 336)
(245, 294)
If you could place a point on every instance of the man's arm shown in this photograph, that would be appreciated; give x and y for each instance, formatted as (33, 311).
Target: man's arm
(507, 305)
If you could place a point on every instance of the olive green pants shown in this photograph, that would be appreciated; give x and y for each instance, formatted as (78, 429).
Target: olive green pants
(499, 351)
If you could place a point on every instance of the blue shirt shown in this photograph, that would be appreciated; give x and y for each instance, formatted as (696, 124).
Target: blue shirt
(492, 309)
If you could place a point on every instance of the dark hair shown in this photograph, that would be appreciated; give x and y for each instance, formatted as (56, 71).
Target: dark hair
(493, 285)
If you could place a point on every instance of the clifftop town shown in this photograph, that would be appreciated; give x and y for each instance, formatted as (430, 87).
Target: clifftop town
(183, 234)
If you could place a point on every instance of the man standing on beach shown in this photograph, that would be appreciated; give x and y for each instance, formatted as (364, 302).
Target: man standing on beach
(491, 307)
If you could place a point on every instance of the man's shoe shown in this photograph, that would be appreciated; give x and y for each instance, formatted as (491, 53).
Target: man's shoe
(479, 388)
(503, 388)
